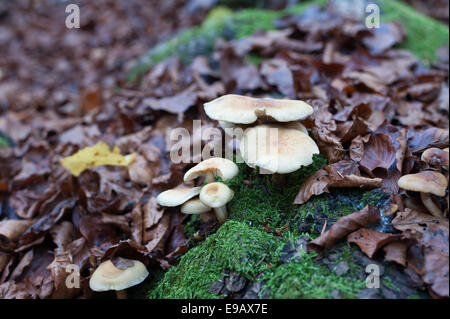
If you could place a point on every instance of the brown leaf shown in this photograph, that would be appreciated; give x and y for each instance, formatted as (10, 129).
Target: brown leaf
(58, 269)
(24, 262)
(387, 35)
(277, 73)
(343, 226)
(155, 237)
(176, 104)
(62, 234)
(12, 290)
(396, 252)
(358, 127)
(378, 153)
(137, 224)
(419, 140)
(431, 233)
(370, 241)
(90, 100)
(97, 232)
(315, 184)
(151, 213)
(140, 171)
(341, 174)
(80, 135)
(417, 222)
(329, 144)
(357, 147)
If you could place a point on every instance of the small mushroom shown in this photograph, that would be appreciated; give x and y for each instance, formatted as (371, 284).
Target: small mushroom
(217, 195)
(211, 168)
(436, 157)
(240, 109)
(282, 151)
(177, 196)
(426, 182)
(195, 206)
(118, 275)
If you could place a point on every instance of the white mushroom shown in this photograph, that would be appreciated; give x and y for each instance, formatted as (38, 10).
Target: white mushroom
(217, 195)
(177, 196)
(426, 182)
(196, 207)
(240, 109)
(211, 168)
(277, 149)
(436, 157)
(118, 276)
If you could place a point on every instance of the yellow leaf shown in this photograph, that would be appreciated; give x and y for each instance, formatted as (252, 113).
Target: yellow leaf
(96, 155)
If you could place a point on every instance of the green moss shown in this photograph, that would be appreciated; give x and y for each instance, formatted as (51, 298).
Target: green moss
(192, 225)
(254, 254)
(264, 202)
(250, 20)
(254, 59)
(388, 283)
(142, 291)
(424, 34)
(235, 246)
(308, 279)
(5, 140)
(376, 197)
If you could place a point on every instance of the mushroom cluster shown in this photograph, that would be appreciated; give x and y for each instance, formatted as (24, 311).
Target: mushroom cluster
(274, 139)
(430, 183)
(214, 195)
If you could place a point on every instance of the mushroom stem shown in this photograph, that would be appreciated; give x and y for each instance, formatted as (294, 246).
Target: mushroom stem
(278, 179)
(221, 214)
(121, 294)
(205, 216)
(209, 177)
(430, 205)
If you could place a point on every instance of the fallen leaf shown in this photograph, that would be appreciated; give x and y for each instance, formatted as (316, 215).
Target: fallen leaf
(396, 252)
(370, 241)
(344, 226)
(96, 155)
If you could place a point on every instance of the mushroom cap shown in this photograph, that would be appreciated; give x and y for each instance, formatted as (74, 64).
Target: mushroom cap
(194, 206)
(241, 109)
(126, 273)
(424, 182)
(222, 167)
(282, 151)
(296, 126)
(177, 196)
(436, 157)
(216, 194)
